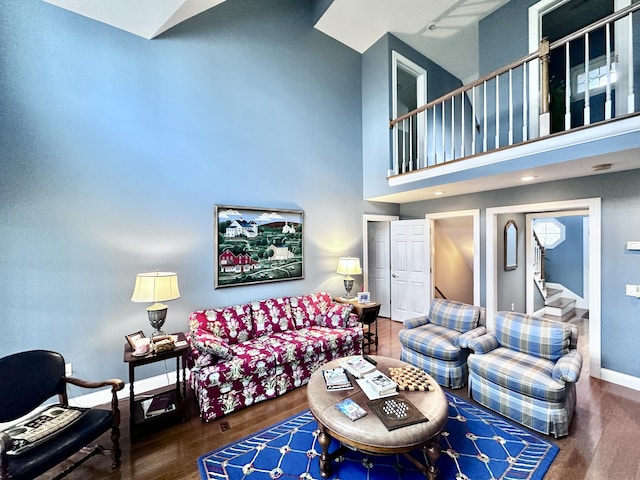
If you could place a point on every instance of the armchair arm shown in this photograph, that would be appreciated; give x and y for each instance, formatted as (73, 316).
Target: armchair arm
(483, 344)
(568, 367)
(463, 340)
(416, 321)
(115, 383)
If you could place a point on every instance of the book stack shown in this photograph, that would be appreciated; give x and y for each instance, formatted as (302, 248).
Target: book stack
(357, 366)
(157, 405)
(336, 379)
(377, 385)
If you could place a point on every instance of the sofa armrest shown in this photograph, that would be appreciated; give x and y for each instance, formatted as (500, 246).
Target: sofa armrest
(568, 367)
(416, 321)
(483, 344)
(353, 321)
(463, 340)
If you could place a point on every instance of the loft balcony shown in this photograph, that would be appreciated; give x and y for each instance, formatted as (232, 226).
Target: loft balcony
(548, 115)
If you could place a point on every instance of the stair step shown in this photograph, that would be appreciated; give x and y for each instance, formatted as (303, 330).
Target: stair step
(560, 307)
(553, 291)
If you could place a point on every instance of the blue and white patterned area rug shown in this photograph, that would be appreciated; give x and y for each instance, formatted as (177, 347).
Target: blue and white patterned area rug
(476, 445)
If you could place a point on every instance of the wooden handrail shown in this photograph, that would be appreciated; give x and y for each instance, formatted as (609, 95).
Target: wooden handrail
(517, 63)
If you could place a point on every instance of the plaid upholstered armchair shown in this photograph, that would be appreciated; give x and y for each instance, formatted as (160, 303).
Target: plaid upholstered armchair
(527, 370)
(437, 343)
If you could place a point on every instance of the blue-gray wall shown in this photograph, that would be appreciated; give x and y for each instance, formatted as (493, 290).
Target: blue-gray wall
(564, 263)
(620, 203)
(114, 150)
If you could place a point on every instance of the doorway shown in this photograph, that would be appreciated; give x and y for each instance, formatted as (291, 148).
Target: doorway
(593, 208)
(377, 259)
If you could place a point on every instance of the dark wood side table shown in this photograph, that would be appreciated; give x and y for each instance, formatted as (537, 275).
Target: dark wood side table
(175, 396)
(368, 314)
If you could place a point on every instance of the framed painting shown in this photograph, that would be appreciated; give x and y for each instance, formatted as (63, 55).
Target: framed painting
(257, 245)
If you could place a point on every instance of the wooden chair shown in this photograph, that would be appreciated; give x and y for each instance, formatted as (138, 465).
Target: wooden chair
(370, 318)
(49, 436)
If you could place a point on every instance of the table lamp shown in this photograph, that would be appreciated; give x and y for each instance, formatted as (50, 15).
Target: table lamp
(349, 266)
(156, 287)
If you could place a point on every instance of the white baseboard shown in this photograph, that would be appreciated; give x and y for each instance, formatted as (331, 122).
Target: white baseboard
(101, 397)
(621, 379)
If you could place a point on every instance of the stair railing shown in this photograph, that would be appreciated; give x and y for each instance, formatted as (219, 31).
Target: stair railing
(493, 112)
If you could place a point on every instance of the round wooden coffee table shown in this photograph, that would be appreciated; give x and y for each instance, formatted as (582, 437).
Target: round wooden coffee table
(368, 434)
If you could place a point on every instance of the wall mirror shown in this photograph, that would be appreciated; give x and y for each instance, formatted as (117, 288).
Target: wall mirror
(510, 245)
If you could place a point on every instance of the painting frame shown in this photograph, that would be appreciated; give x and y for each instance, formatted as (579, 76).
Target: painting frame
(255, 245)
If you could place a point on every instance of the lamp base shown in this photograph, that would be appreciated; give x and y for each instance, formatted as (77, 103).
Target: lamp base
(157, 314)
(348, 285)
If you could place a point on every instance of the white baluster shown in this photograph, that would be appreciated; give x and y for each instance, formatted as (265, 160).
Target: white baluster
(607, 101)
(567, 93)
(525, 105)
(497, 145)
(587, 95)
(510, 106)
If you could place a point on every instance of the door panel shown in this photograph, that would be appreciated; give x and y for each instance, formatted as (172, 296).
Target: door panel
(379, 264)
(409, 269)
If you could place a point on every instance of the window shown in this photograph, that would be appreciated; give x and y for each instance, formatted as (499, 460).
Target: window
(550, 232)
(598, 72)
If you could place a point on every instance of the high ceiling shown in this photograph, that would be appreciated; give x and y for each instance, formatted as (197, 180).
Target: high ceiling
(445, 31)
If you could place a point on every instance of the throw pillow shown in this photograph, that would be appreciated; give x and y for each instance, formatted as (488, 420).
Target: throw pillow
(337, 315)
(208, 344)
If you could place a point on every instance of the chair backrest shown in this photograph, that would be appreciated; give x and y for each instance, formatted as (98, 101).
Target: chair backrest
(28, 379)
(534, 335)
(455, 315)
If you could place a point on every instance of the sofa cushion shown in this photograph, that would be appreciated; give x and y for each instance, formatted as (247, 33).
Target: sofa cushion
(519, 372)
(532, 335)
(432, 340)
(456, 315)
(271, 316)
(305, 311)
(233, 324)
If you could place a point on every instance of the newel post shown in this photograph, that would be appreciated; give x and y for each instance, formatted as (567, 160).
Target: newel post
(545, 114)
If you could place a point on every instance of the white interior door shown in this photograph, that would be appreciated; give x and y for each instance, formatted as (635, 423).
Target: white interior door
(379, 275)
(410, 279)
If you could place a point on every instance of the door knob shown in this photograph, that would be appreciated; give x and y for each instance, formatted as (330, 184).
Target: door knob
(393, 275)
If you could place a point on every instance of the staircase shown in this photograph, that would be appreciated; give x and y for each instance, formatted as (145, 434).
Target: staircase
(556, 306)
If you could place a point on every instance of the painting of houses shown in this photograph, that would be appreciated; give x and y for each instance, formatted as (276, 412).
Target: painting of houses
(255, 245)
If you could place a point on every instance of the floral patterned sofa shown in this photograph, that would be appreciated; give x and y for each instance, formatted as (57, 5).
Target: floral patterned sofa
(244, 354)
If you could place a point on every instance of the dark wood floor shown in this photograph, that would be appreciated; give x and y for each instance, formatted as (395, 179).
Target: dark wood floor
(603, 443)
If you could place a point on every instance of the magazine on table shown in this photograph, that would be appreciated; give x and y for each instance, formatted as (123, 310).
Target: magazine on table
(357, 366)
(351, 409)
(380, 382)
(336, 379)
(368, 390)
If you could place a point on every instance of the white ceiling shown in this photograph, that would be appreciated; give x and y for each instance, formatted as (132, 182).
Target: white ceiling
(145, 18)
(451, 42)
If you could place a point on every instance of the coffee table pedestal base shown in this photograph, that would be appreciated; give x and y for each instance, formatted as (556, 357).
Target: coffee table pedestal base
(432, 452)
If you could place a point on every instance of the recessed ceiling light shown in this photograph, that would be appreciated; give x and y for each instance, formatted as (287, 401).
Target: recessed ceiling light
(601, 167)
(528, 178)
(438, 193)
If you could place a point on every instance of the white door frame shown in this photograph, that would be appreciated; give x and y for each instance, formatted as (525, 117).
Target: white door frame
(366, 218)
(431, 217)
(593, 206)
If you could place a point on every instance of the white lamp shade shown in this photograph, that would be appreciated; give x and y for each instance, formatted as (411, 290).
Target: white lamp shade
(349, 266)
(155, 287)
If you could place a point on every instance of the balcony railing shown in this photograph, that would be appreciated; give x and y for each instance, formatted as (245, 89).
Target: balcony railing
(549, 91)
